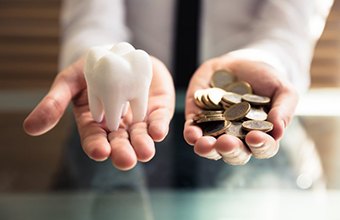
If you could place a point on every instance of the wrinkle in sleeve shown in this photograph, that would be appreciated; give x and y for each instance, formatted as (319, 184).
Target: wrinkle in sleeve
(88, 23)
(284, 36)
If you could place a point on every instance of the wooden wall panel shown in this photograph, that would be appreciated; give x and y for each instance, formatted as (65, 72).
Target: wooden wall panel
(29, 47)
(325, 70)
(29, 43)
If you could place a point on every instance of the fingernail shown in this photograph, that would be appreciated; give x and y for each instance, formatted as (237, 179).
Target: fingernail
(257, 145)
(233, 153)
(211, 140)
(241, 159)
(213, 155)
(283, 124)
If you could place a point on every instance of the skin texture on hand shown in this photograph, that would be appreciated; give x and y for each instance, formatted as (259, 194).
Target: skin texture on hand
(132, 142)
(264, 81)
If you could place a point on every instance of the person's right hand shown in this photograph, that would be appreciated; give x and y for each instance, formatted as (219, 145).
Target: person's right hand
(131, 142)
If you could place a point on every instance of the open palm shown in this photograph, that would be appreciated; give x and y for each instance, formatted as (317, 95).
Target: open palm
(264, 81)
(132, 142)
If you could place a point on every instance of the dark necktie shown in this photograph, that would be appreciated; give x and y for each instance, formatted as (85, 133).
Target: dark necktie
(186, 41)
(185, 63)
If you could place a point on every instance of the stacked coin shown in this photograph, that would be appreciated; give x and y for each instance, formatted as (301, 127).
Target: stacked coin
(230, 107)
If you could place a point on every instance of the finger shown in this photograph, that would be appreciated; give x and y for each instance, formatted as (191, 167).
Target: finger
(233, 150)
(45, 115)
(191, 132)
(158, 122)
(93, 137)
(141, 142)
(123, 155)
(200, 80)
(139, 108)
(51, 108)
(161, 102)
(262, 145)
(204, 147)
(282, 110)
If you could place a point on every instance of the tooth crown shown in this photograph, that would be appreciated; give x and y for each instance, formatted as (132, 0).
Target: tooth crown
(115, 77)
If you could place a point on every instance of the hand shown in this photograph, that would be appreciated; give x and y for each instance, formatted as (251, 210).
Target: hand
(131, 142)
(264, 81)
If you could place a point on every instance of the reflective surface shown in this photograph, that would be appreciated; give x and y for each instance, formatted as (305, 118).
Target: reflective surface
(179, 205)
(39, 179)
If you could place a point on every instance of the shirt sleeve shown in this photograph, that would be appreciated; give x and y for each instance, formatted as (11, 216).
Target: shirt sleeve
(284, 36)
(88, 23)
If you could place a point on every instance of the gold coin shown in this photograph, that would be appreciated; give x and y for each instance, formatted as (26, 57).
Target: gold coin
(239, 87)
(204, 118)
(215, 95)
(231, 98)
(237, 111)
(225, 105)
(211, 112)
(209, 119)
(251, 125)
(198, 98)
(215, 128)
(199, 117)
(206, 101)
(222, 78)
(235, 129)
(257, 114)
(256, 99)
(209, 105)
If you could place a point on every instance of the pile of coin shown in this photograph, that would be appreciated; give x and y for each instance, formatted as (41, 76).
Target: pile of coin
(230, 107)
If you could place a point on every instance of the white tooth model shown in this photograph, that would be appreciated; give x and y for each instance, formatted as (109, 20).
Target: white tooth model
(116, 76)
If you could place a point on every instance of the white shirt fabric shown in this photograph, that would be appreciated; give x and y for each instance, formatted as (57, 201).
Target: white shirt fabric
(281, 33)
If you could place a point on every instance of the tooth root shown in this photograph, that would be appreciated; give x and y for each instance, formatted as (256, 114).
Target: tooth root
(125, 109)
(139, 107)
(113, 112)
(96, 107)
(141, 64)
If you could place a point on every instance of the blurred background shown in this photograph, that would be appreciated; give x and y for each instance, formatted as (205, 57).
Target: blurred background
(29, 46)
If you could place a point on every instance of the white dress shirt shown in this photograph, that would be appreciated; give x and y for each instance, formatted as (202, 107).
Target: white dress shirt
(281, 33)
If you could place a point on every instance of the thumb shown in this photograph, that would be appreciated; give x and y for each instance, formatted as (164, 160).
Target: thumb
(51, 108)
(282, 110)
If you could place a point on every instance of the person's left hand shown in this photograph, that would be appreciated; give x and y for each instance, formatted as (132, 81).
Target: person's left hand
(264, 81)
